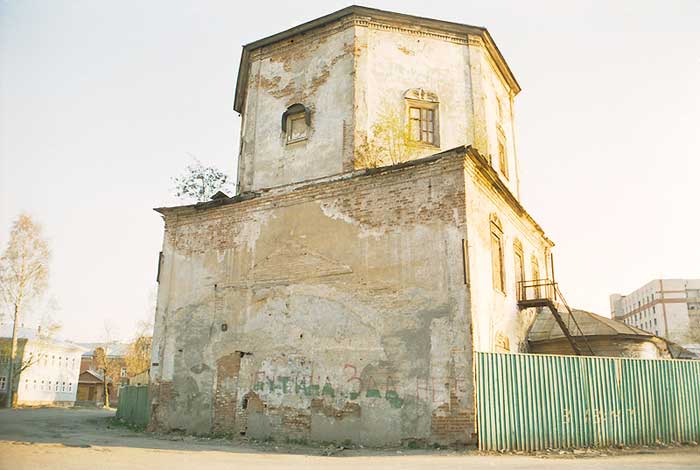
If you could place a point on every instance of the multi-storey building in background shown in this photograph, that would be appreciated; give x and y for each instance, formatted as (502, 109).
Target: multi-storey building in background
(46, 369)
(666, 307)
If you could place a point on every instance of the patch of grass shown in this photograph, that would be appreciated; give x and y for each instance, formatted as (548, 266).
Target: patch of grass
(115, 422)
(298, 441)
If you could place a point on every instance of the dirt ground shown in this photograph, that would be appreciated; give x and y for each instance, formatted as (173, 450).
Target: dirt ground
(73, 439)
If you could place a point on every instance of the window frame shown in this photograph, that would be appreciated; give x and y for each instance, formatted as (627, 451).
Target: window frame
(426, 122)
(424, 101)
(296, 112)
(503, 158)
(519, 273)
(535, 269)
(498, 275)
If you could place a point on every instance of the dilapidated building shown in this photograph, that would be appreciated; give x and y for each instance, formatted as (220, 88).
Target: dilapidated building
(375, 243)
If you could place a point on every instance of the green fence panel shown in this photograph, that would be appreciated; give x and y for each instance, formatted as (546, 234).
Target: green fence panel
(534, 402)
(133, 405)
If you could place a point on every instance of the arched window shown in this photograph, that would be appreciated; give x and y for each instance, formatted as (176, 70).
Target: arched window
(296, 121)
(422, 111)
(497, 273)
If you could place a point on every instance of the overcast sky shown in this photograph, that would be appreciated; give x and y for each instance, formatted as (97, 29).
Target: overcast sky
(101, 103)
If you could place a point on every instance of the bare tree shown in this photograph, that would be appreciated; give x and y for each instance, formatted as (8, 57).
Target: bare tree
(24, 272)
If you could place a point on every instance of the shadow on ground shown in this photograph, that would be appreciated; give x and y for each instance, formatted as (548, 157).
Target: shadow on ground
(88, 427)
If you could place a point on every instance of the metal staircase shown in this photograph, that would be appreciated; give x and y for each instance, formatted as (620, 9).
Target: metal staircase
(546, 293)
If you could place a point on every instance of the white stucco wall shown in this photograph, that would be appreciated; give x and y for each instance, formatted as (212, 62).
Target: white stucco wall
(353, 75)
(33, 385)
(316, 71)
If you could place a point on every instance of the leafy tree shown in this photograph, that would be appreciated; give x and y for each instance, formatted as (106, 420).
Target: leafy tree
(108, 366)
(201, 182)
(138, 354)
(389, 144)
(24, 272)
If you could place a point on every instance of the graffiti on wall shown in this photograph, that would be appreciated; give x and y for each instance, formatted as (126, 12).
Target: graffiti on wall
(352, 385)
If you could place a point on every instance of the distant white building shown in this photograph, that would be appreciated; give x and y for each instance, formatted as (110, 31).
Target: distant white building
(666, 307)
(49, 369)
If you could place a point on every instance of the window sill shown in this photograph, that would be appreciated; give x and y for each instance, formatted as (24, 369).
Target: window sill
(422, 145)
(296, 141)
(499, 291)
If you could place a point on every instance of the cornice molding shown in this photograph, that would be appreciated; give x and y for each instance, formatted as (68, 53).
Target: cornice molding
(356, 16)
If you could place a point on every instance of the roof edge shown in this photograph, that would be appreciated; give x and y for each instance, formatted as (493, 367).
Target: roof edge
(449, 26)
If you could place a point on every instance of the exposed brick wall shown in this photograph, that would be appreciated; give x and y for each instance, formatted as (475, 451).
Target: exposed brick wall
(226, 393)
(451, 422)
(160, 393)
(390, 198)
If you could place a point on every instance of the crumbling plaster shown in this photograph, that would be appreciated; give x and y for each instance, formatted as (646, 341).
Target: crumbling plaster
(352, 74)
(366, 310)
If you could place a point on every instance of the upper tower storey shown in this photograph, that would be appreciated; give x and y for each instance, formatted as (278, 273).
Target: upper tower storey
(362, 88)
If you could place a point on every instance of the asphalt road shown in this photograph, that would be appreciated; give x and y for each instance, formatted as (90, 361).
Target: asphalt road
(77, 439)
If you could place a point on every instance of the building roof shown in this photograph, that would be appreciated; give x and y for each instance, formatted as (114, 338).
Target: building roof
(481, 163)
(408, 21)
(546, 328)
(32, 334)
(112, 349)
(92, 376)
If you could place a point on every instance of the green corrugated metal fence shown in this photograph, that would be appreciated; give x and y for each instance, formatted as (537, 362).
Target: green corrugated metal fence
(532, 402)
(133, 405)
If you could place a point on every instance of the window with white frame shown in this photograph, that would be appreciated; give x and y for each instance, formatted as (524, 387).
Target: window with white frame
(296, 121)
(70, 386)
(63, 386)
(56, 387)
(123, 372)
(3, 382)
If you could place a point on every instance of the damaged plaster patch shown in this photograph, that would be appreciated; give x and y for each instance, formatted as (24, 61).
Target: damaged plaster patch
(330, 209)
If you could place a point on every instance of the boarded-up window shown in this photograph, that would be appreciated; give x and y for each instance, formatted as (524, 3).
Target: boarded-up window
(497, 256)
(296, 129)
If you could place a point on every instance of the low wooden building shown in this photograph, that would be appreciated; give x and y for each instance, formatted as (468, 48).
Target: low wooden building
(601, 335)
(91, 389)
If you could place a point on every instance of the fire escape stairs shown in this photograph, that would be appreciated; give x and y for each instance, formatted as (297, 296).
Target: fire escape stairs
(545, 293)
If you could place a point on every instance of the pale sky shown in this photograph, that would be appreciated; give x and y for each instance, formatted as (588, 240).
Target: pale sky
(101, 103)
